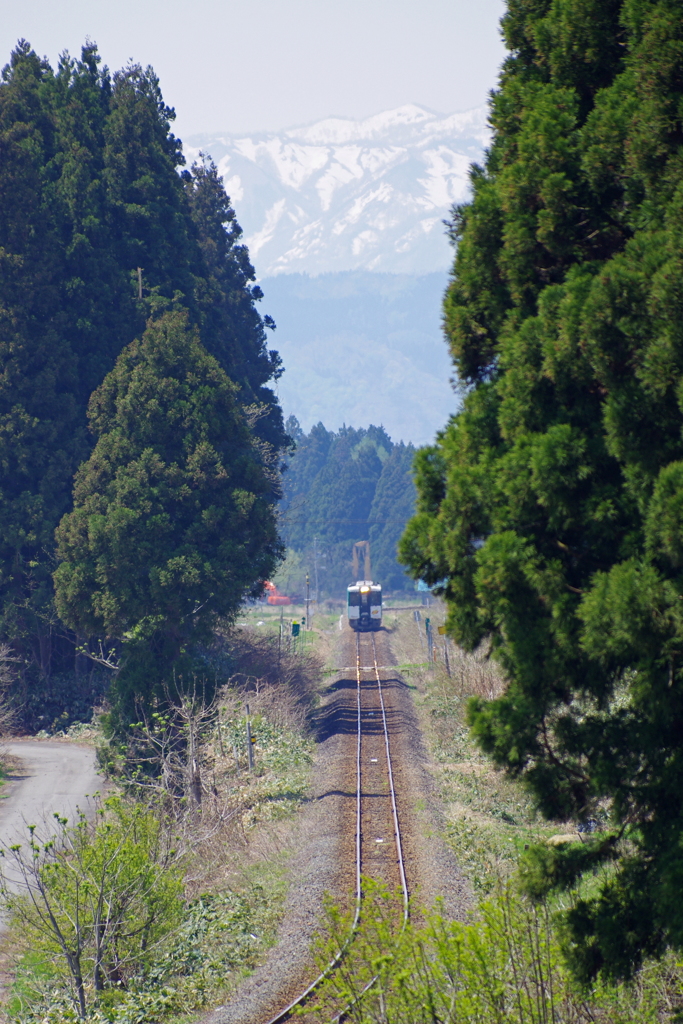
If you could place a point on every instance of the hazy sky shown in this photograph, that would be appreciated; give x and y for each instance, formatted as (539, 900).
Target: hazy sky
(269, 64)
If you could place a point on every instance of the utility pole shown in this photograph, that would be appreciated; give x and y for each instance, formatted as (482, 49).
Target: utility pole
(315, 568)
(308, 601)
(250, 745)
(140, 283)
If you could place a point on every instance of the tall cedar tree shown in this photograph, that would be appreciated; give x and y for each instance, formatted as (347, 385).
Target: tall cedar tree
(232, 328)
(41, 437)
(173, 520)
(89, 193)
(552, 505)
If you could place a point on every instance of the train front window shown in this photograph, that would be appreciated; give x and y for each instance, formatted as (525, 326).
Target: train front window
(376, 597)
(354, 599)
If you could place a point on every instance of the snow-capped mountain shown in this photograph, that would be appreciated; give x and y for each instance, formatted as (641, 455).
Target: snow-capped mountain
(344, 195)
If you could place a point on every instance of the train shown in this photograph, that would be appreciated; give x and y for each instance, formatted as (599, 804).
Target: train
(364, 606)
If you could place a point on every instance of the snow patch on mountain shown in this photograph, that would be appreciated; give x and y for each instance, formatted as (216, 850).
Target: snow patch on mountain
(343, 195)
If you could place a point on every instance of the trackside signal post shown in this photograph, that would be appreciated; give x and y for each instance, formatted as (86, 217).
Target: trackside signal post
(308, 601)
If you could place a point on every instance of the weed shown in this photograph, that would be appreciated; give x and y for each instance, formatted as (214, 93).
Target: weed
(505, 967)
(234, 886)
(490, 818)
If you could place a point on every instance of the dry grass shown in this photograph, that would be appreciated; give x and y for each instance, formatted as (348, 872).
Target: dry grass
(490, 818)
(245, 814)
(453, 670)
(192, 755)
(234, 827)
(264, 661)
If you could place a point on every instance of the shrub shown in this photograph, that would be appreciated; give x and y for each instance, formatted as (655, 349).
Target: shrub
(96, 899)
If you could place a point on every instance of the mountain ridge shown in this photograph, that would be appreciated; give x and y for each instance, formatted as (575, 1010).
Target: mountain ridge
(342, 194)
(362, 348)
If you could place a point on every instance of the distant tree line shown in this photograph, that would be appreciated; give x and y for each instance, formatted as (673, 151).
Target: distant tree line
(341, 487)
(134, 360)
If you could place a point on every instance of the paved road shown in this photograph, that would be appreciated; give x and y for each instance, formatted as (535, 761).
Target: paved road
(51, 777)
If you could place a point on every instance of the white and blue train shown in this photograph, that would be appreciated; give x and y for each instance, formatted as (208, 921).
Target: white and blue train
(364, 606)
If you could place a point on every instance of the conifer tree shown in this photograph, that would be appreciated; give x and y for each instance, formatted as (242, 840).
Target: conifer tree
(344, 487)
(308, 460)
(41, 437)
(147, 212)
(232, 329)
(173, 523)
(91, 208)
(551, 504)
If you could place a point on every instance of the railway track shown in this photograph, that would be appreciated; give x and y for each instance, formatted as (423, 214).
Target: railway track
(378, 845)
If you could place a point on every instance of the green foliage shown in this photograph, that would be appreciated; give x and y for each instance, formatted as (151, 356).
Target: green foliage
(219, 937)
(283, 756)
(41, 438)
(173, 522)
(550, 505)
(344, 487)
(231, 326)
(505, 967)
(290, 578)
(222, 929)
(393, 504)
(96, 899)
(489, 818)
(90, 198)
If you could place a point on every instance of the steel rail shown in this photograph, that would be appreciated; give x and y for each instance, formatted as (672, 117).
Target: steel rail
(283, 1015)
(397, 837)
(392, 790)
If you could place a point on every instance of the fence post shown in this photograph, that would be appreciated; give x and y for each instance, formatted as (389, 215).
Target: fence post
(418, 619)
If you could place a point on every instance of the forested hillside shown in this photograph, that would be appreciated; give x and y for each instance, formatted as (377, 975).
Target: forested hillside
(102, 240)
(362, 347)
(342, 487)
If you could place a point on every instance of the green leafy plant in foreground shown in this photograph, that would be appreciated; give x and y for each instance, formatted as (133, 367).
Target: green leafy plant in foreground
(503, 967)
(94, 901)
(220, 936)
(232, 908)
